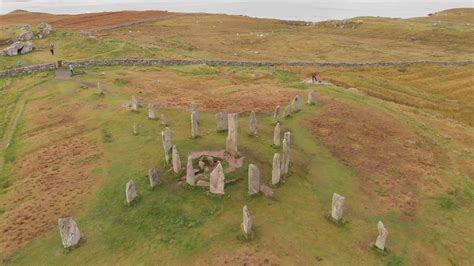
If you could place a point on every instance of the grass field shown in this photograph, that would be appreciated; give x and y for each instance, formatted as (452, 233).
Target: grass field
(397, 142)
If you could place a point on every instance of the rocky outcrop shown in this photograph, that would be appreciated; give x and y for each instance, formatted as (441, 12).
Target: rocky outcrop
(17, 48)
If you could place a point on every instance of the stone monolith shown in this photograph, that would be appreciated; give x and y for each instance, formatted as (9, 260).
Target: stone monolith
(253, 179)
(276, 169)
(382, 237)
(130, 192)
(253, 124)
(151, 111)
(276, 115)
(194, 125)
(153, 176)
(176, 161)
(217, 180)
(311, 97)
(276, 135)
(69, 232)
(166, 138)
(190, 177)
(231, 143)
(337, 206)
(221, 120)
(246, 222)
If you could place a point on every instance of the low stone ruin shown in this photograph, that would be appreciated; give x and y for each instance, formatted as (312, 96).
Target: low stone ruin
(276, 169)
(217, 180)
(153, 176)
(222, 123)
(69, 232)
(253, 179)
(246, 222)
(382, 237)
(337, 206)
(130, 192)
(253, 124)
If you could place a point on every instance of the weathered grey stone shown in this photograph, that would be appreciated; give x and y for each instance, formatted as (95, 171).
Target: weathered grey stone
(194, 108)
(151, 111)
(287, 112)
(296, 104)
(285, 160)
(194, 124)
(202, 183)
(276, 115)
(247, 222)
(276, 169)
(45, 30)
(221, 120)
(287, 136)
(253, 179)
(69, 232)
(135, 129)
(210, 160)
(176, 160)
(311, 97)
(217, 180)
(100, 91)
(201, 165)
(134, 106)
(163, 120)
(190, 177)
(130, 191)
(337, 206)
(231, 143)
(167, 145)
(25, 35)
(27, 47)
(253, 124)
(382, 237)
(153, 176)
(276, 135)
(13, 49)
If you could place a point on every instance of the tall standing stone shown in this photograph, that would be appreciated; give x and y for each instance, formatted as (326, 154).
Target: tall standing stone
(151, 111)
(194, 125)
(382, 237)
(276, 135)
(253, 124)
(287, 111)
(166, 138)
(253, 179)
(221, 120)
(194, 108)
(176, 160)
(296, 104)
(276, 115)
(100, 91)
(217, 180)
(247, 222)
(153, 176)
(69, 232)
(134, 104)
(276, 169)
(285, 162)
(231, 143)
(311, 97)
(190, 177)
(130, 191)
(163, 120)
(337, 206)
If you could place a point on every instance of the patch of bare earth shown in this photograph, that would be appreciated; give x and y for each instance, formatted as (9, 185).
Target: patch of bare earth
(396, 163)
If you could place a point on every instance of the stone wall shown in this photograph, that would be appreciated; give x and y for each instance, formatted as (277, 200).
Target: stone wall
(151, 62)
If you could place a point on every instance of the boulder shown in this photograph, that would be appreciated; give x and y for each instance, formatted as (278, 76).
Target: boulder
(27, 47)
(25, 35)
(69, 232)
(45, 30)
(13, 49)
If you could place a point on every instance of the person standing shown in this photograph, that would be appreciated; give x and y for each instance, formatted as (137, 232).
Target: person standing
(314, 77)
(71, 68)
(51, 48)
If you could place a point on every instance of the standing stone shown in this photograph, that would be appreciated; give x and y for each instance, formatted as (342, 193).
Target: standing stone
(295, 104)
(194, 125)
(221, 120)
(276, 169)
(231, 143)
(247, 222)
(201, 164)
(151, 111)
(100, 91)
(285, 162)
(194, 108)
(135, 129)
(130, 192)
(276, 135)
(190, 177)
(287, 136)
(287, 112)
(311, 97)
(382, 237)
(166, 138)
(134, 104)
(276, 114)
(217, 180)
(69, 232)
(253, 124)
(254, 179)
(337, 206)
(176, 160)
(153, 176)
(163, 119)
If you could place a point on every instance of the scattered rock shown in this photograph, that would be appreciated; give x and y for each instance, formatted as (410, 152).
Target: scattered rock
(202, 183)
(69, 232)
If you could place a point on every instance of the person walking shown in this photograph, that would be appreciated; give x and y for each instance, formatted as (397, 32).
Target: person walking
(314, 77)
(51, 48)
(71, 68)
